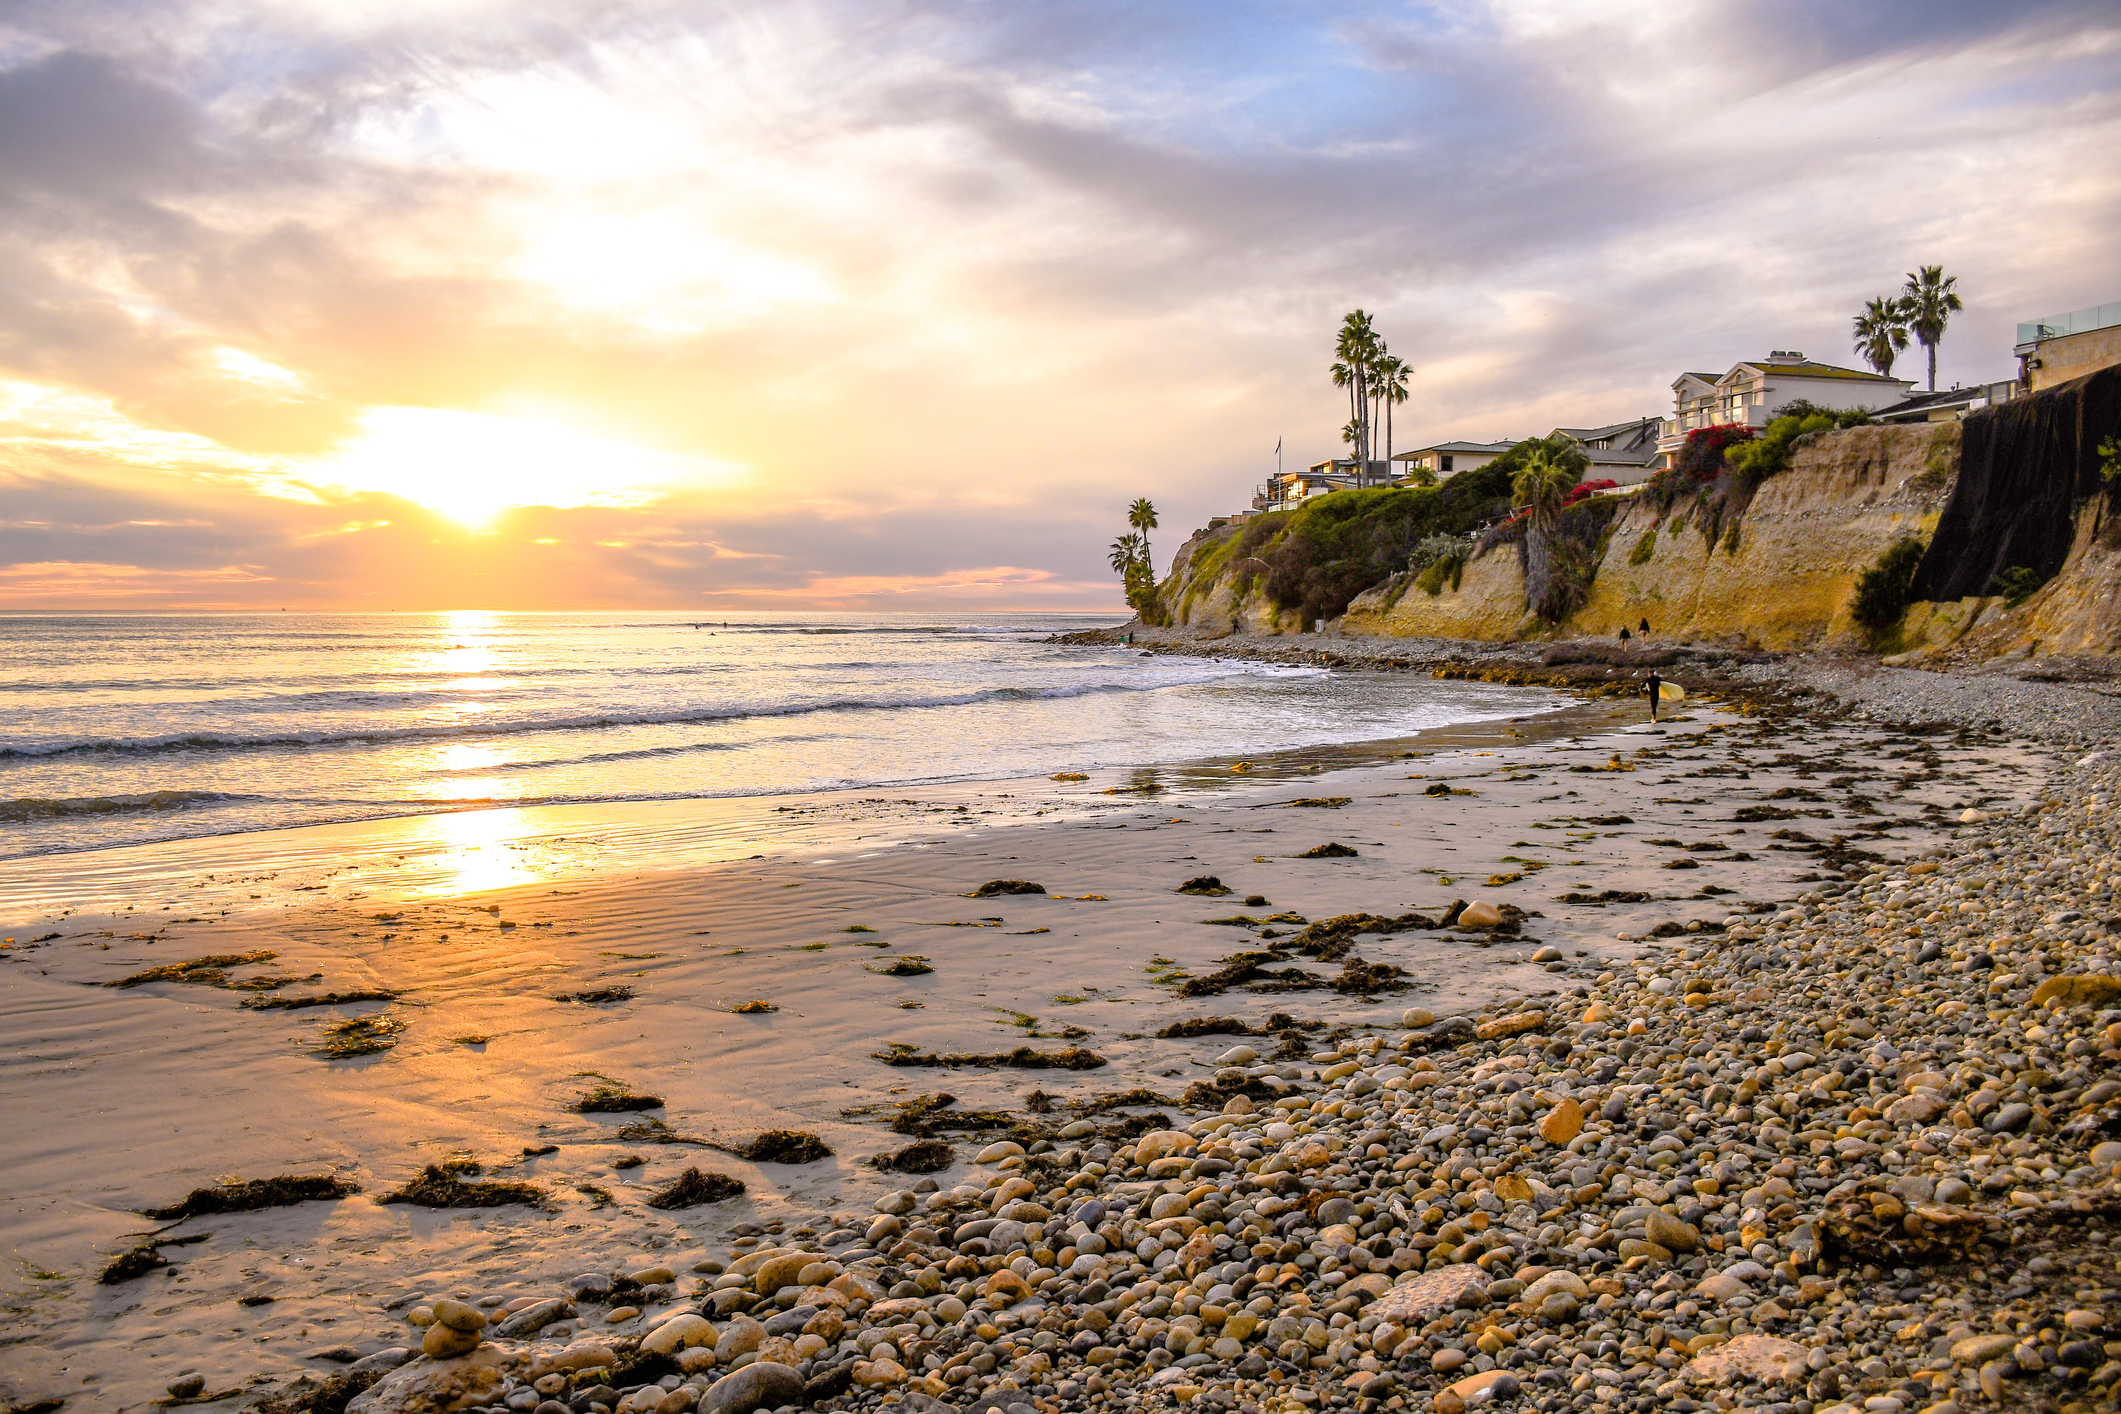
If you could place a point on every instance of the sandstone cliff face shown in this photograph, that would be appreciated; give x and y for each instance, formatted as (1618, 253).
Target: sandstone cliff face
(2078, 612)
(1784, 583)
(1800, 544)
(1212, 591)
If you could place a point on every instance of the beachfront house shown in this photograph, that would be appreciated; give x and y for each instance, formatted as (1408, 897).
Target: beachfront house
(1753, 394)
(1624, 453)
(1949, 404)
(2065, 346)
(1285, 491)
(1446, 459)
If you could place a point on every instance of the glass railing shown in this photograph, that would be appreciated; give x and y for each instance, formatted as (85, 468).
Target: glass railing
(2077, 321)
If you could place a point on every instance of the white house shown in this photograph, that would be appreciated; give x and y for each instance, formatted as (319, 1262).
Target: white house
(1445, 459)
(1754, 393)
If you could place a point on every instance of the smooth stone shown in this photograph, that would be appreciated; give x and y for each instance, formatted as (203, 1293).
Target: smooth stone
(185, 1386)
(459, 1316)
(445, 1342)
(1979, 1349)
(760, 1385)
(1415, 1016)
(1480, 914)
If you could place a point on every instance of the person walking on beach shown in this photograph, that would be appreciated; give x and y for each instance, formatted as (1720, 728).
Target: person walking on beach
(1645, 628)
(1656, 687)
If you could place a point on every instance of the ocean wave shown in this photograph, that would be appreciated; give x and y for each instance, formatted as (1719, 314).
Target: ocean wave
(41, 808)
(209, 741)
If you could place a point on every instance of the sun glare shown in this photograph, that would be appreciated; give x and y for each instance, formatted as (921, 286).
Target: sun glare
(472, 466)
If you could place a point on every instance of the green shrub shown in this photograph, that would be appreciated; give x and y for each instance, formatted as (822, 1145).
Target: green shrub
(1730, 539)
(1644, 548)
(1882, 590)
(1432, 578)
(1325, 553)
(2017, 584)
(1769, 454)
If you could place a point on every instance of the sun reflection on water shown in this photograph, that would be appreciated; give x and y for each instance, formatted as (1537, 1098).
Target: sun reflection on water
(475, 850)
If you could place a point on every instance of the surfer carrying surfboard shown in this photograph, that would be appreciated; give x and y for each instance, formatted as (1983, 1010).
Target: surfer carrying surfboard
(1656, 686)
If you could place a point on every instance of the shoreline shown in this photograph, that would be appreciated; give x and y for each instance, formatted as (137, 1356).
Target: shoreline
(173, 1085)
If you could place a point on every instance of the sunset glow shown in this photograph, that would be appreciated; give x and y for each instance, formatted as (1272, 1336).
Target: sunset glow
(559, 304)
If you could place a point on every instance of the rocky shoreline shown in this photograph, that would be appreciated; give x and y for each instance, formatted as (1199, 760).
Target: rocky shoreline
(1851, 1154)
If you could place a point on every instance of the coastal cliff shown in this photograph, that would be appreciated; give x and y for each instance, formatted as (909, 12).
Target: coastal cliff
(2021, 556)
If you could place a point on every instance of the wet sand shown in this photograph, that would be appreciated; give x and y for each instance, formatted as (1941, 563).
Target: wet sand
(117, 1099)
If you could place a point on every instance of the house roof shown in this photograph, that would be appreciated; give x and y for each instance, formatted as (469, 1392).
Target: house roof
(1943, 398)
(1497, 448)
(1808, 369)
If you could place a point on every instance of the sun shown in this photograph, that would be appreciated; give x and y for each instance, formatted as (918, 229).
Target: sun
(472, 466)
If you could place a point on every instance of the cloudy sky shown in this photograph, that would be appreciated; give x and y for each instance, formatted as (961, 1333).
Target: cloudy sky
(761, 304)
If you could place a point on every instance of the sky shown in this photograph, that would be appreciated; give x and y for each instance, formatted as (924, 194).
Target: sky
(896, 306)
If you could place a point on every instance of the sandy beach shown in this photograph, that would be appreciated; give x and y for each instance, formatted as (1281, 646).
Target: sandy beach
(495, 1010)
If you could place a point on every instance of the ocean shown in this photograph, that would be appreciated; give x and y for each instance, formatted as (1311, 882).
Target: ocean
(123, 730)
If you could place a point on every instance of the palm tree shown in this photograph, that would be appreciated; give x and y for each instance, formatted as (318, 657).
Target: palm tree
(1540, 487)
(1393, 373)
(1127, 552)
(1929, 303)
(1881, 333)
(1356, 350)
(1142, 516)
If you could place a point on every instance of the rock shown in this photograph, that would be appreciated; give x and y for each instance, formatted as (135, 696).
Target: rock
(1547, 954)
(1719, 1287)
(2009, 1119)
(2078, 991)
(2106, 1153)
(879, 1374)
(444, 1342)
(781, 1271)
(1415, 1016)
(1237, 1055)
(1497, 1385)
(1915, 1109)
(1564, 1283)
(1515, 1024)
(1980, 1349)
(1562, 1123)
(995, 1153)
(430, 1387)
(1429, 1295)
(382, 1361)
(532, 1319)
(1480, 914)
(761, 1385)
(740, 1337)
(185, 1386)
(1669, 1232)
(680, 1332)
(459, 1316)
(1756, 1357)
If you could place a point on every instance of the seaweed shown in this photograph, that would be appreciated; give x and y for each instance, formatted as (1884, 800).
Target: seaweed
(1313, 802)
(254, 1194)
(1330, 939)
(329, 1395)
(785, 1146)
(614, 1098)
(692, 1188)
(598, 995)
(131, 1263)
(638, 1367)
(910, 965)
(1022, 1058)
(598, 1197)
(361, 1036)
(1117, 1099)
(1206, 1026)
(995, 888)
(757, 1007)
(1239, 920)
(654, 1131)
(921, 1156)
(359, 994)
(208, 971)
(1329, 851)
(1206, 886)
(436, 1188)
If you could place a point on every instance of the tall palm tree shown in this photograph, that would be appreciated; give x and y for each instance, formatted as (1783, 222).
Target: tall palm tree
(1930, 302)
(1881, 333)
(1127, 552)
(1356, 350)
(1540, 487)
(1142, 516)
(1393, 373)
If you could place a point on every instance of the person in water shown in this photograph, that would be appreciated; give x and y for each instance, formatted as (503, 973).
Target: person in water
(1656, 688)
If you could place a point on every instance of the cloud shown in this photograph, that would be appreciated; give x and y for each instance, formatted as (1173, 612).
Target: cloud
(951, 284)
